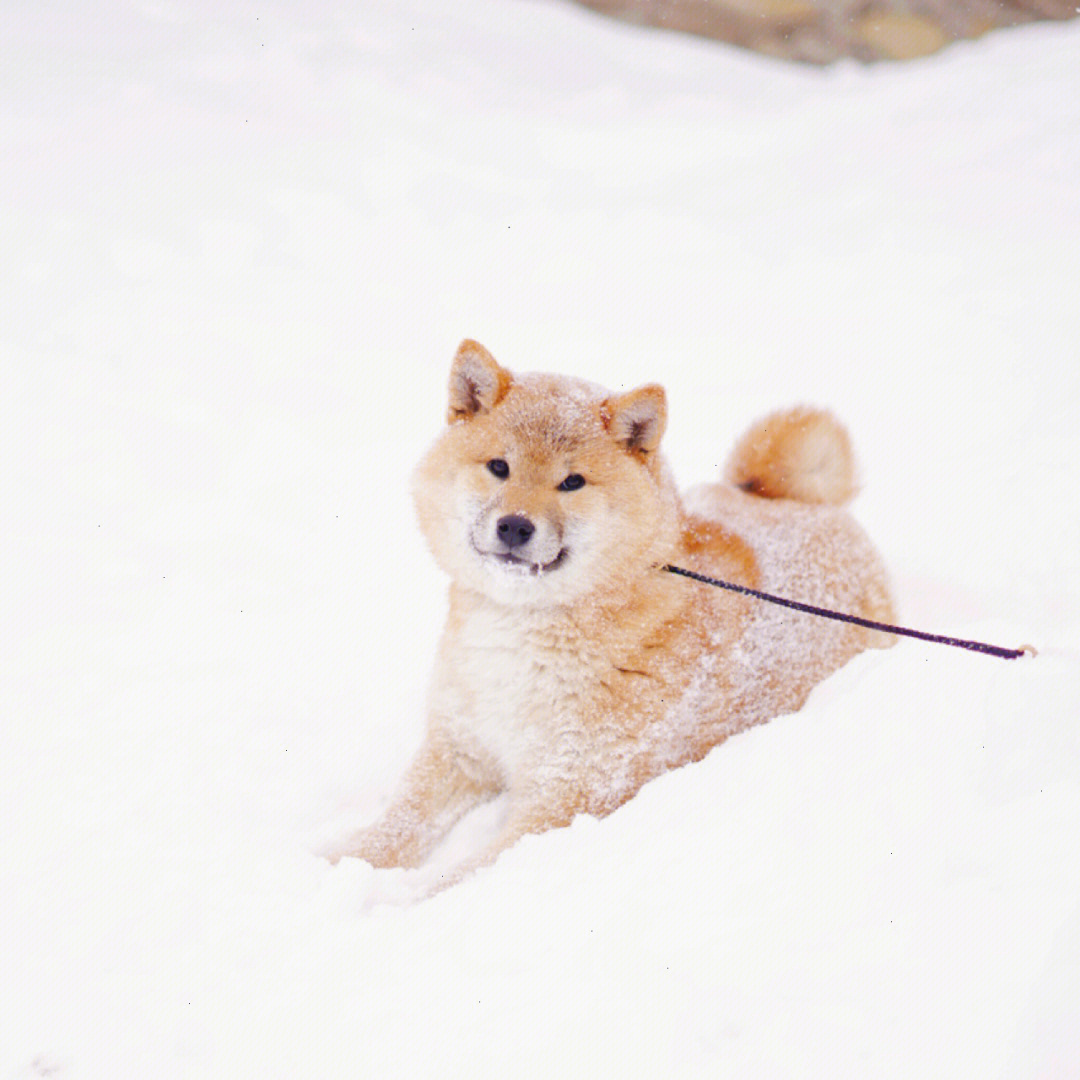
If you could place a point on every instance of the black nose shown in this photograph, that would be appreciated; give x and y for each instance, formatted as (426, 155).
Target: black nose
(514, 530)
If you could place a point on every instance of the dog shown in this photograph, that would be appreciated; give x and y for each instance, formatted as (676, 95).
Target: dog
(572, 669)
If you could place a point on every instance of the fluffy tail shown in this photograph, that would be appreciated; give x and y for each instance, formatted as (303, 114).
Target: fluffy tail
(799, 453)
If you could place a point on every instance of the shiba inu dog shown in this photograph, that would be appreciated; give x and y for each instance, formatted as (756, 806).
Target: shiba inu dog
(572, 669)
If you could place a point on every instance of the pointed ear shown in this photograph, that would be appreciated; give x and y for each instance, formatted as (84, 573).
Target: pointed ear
(477, 383)
(637, 420)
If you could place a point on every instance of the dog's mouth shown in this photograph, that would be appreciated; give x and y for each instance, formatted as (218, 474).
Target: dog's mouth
(510, 560)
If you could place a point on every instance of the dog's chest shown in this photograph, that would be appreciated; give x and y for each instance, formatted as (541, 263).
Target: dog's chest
(510, 688)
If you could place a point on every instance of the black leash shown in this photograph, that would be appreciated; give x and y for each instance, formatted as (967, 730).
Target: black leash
(974, 646)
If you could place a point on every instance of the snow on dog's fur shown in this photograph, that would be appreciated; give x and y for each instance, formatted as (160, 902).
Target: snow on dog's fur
(572, 669)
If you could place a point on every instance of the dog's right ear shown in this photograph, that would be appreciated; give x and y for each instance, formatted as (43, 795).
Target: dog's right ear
(477, 383)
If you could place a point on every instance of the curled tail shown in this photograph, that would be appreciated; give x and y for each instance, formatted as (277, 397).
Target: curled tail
(799, 453)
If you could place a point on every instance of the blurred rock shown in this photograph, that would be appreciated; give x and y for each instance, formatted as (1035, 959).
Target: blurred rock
(821, 31)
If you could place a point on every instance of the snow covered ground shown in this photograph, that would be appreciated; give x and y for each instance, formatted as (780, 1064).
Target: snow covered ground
(239, 243)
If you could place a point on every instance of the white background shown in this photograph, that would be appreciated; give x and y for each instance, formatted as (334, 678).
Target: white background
(238, 245)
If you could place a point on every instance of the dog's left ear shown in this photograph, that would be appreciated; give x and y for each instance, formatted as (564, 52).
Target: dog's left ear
(477, 383)
(637, 420)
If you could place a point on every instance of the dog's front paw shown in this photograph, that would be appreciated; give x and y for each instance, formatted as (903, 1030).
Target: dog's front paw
(377, 846)
(357, 846)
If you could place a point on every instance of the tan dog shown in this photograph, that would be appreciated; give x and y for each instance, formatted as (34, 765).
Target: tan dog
(572, 669)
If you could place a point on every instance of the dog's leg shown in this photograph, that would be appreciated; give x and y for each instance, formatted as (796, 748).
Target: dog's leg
(534, 810)
(433, 795)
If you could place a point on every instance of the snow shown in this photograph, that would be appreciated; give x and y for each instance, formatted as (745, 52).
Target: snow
(239, 243)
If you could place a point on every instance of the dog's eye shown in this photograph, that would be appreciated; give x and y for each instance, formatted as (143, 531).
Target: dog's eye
(498, 467)
(572, 482)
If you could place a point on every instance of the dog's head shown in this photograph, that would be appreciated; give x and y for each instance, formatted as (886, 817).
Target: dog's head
(542, 487)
